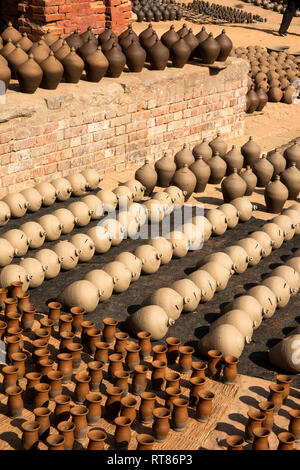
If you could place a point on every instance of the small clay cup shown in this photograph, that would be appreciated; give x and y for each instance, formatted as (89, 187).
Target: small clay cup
(15, 402)
(82, 387)
(199, 369)
(121, 342)
(235, 442)
(286, 441)
(294, 424)
(276, 396)
(3, 326)
(47, 324)
(54, 378)
(44, 366)
(30, 435)
(77, 316)
(66, 429)
(66, 338)
(139, 381)
(230, 369)
(41, 395)
(122, 432)
(75, 349)
(128, 408)
(121, 380)
(42, 333)
(16, 331)
(214, 363)
(18, 359)
(145, 442)
(115, 364)
(13, 320)
(160, 353)
(10, 376)
(173, 345)
(95, 369)
(158, 375)
(132, 358)
(161, 425)
(65, 322)
(171, 394)
(101, 353)
(42, 416)
(204, 406)
(54, 312)
(12, 345)
(27, 319)
(11, 306)
(185, 358)
(39, 354)
(33, 378)
(172, 379)
(62, 408)
(79, 414)
(113, 403)
(197, 385)
(23, 302)
(16, 289)
(97, 439)
(286, 381)
(56, 442)
(145, 344)
(109, 330)
(260, 440)
(267, 408)
(255, 422)
(93, 337)
(85, 327)
(65, 366)
(146, 407)
(93, 404)
(180, 414)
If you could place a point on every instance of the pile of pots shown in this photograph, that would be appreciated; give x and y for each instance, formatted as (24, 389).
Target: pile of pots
(50, 60)
(220, 12)
(271, 76)
(274, 5)
(167, 10)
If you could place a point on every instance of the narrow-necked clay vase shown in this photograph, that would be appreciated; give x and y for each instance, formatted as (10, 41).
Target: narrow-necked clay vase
(292, 154)
(180, 53)
(40, 51)
(263, 98)
(73, 67)
(218, 169)
(96, 65)
(147, 176)
(263, 170)
(225, 44)
(16, 58)
(276, 194)
(252, 101)
(158, 55)
(185, 179)
(170, 37)
(202, 172)
(87, 48)
(184, 156)
(234, 159)
(192, 41)
(116, 60)
(29, 75)
(233, 186)
(251, 180)
(291, 179)
(135, 57)
(251, 152)
(161, 426)
(30, 435)
(53, 72)
(267, 408)
(165, 168)
(278, 161)
(209, 50)
(275, 94)
(11, 33)
(106, 35)
(62, 52)
(203, 150)
(218, 145)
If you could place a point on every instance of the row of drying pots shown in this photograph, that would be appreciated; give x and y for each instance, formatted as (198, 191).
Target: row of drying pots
(164, 306)
(274, 5)
(222, 12)
(15, 205)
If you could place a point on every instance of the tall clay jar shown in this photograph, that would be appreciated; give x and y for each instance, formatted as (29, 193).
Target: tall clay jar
(261, 439)
(145, 344)
(10, 377)
(235, 442)
(197, 386)
(146, 407)
(55, 442)
(96, 439)
(204, 406)
(121, 380)
(10, 306)
(28, 318)
(13, 320)
(65, 322)
(180, 414)
(23, 302)
(113, 402)
(47, 324)
(3, 327)
(42, 416)
(230, 369)
(54, 312)
(66, 429)
(132, 358)
(161, 425)
(101, 353)
(15, 403)
(172, 379)
(33, 378)
(128, 405)
(110, 325)
(82, 387)
(16, 331)
(159, 353)
(62, 408)
(276, 396)
(30, 435)
(93, 337)
(16, 289)
(214, 363)
(286, 441)
(185, 358)
(66, 338)
(199, 369)
(294, 424)
(18, 359)
(93, 404)
(145, 442)
(139, 381)
(65, 366)
(122, 432)
(285, 381)
(77, 315)
(41, 395)
(12, 345)
(171, 394)
(44, 366)
(85, 327)
(158, 375)
(115, 364)
(267, 408)
(255, 421)
(75, 349)
(79, 414)
(121, 342)
(95, 369)
(54, 378)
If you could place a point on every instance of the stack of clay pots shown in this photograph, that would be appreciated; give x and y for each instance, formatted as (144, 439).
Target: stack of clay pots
(156, 11)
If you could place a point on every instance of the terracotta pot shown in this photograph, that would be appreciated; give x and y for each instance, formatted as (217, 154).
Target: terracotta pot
(276, 396)
(10, 305)
(294, 424)
(260, 441)
(30, 435)
(198, 369)
(145, 442)
(95, 371)
(121, 380)
(113, 403)
(55, 442)
(235, 442)
(18, 359)
(132, 358)
(23, 302)
(40, 353)
(204, 406)
(42, 416)
(159, 353)
(139, 381)
(286, 381)
(41, 395)
(185, 359)
(173, 349)
(54, 312)
(172, 379)
(291, 179)
(158, 375)
(12, 320)
(121, 342)
(62, 408)
(115, 364)
(230, 369)
(267, 408)
(170, 394)
(101, 353)
(286, 441)
(65, 366)
(27, 320)
(42, 333)
(3, 296)
(128, 408)
(66, 429)
(255, 422)
(146, 407)
(214, 363)
(217, 168)
(122, 432)
(109, 330)
(79, 414)
(86, 326)
(75, 349)
(66, 338)
(180, 414)
(55, 381)
(96, 439)
(77, 316)
(12, 345)
(47, 324)
(3, 327)
(44, 366)
(93, 403)
(16, 289)
(15, 402)
(65, 322)
(197, 385)
(93, 337)
(147, 176)
(33, 378)
(82, 387)
(145, 344)
(161, 426)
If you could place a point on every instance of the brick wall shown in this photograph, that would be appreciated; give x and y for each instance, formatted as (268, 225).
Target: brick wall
(114, 125)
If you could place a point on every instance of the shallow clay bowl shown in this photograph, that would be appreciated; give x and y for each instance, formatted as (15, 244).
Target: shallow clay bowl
(277, 48)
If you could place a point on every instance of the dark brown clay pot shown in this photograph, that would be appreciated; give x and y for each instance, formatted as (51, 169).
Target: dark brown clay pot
(127, 41)
(276, 194)
(218, 169)
(101, 353)
(252, 101)
(260, 441)
(79, 414)
(145, 442)
(214, 363)
(251, 152)
(93, 404)
(158, 55)
(263, 98)
(29, 75)
(233, 186)
(147, 406)
(235, 442)
(5, 74)
(127, 32)
(54, 378)
(115, 364)
(267, 408)
(11, 33)
(185, 179)
(73, 67)
(139, 381)
(116, 60)
(42, 416)
(192, 41)
(250, 179)
(122, 432)
(180, 415)
(197, 385)
(65, 366)
(74, 40)
(82, 387)
(294, 424)
(106, 35)
(16, 58)
(89, 47)
(96, 65)
(254, 423)
(292, 154)
(173, 349)
(135, 57)
(54, 312)
(53, 72)
(113, 402)
(15, 403)
(62, 408)
(278, 162)
(203, 150)
(58, 43)
(263, 169)
(96, 439)
(202, 35)
(145, 344)
(95, 369)
(209, 50)
(30, 435)
(291, 179)
(185, 358)
(107, 45)
(230, 369)
(180, 53)
(274, 94)
(40, 51)
(170, 37)
(49, 38)
(165, 169)
(66, 429)
(204, 406)
(146, 33)
(147, 176)
(62, 52)
(225, 44)
(234, 159)
(161, 426)
(110, 325)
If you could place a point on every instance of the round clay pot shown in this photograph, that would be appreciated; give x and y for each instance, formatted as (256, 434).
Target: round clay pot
(233, 159)
(170, 37)
(165, 168)
(233, 186)
(278, 162)
(225, 44)
(116, 60)
(202, 172)
(263, 98)
(158, 55)
(250, 151)
(73, 67)
(135, 57)
(29, 75)
(16, 58)
(203, 150)
(30, 435)
(276, 194)
(161, 426)
(291, 179)
(180, 53)
(250, 179)
(147, 176)
(209, 50)
(74, 40)
(96, 65)
(204, 406)
(218, 169)
(52, 72)
(185, 179)
(263, 169)
(252, 101)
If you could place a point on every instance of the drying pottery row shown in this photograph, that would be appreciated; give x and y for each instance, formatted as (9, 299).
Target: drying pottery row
(156, 11)
(197, 9)
(271, 5)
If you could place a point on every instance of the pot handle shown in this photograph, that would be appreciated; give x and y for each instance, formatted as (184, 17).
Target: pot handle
(254, 207)
(42, 234)
(91, 212)
(115, 280)
(60, 259)
(171, 321)
(248, 339)
(44, 268)
(186, 300)
(77, 252)
(158, 256)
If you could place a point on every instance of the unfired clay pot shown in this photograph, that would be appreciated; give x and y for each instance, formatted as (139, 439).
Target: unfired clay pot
(147, 176)
(251, 152)
(251, 180)
(184, 156)
(233, 186)
(218, 168)
(203, 150)
(165, 168)
(202, 172)
(185, 179)
(276, 194)
(291, 179)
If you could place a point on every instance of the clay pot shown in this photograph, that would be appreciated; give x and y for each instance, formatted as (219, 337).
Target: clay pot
(128, 405)
(161, 426)
(115, 364)
(145, 442)
(185, 179)
(65, 366)
(62, 408)
(95, 369)
(260, 441)
(230, 369)
(30, 435)
(93, 337)
(53, 72)
(180, 53)
(250, 179)
(96, 65)
(18, 360)
(66, 429)
(204, 406)
(233, 159)
(73, 67)
(165, 169)
(170, 37)
(263, 170)
(135, 57)
(33, 378)
(12, 320)
(209, 50)
(54, 312)
(85, 327)
(29, 75)
(132, 357)
(55, 381)
(3, 327)
(158, 375)
(41, 395)
(173, 349)
(276, 194)
(106, 35)
(145, 344)
(158, 55)
(96, 439)
(235, 442)
(12, 345)
(276, 396)
(226, 46)
(10, 304)
(198, 370)
(278, 162)
(66, 338)
(267, 408)
(147, 176)
(11, 33)
(113, 402)
(121, 342)
(82, 387)
(291, 179)
(109, 330)
(286, 441)
(203, 150)
(294, 424)
(292, 154)
(179, 414)
(16, 58)
(202, 172)
(214, 363)
(79, 414)
(217, 167)
(183, 157)
(122, 432)
(93, 404)
(233, 186)
(197, 385)
(252, 101)
(75, 40)
(139, 381)
(15, 403)
(116, 60)
(185, 358)
(42, 416)
(250, 151)
(146, 407)
(255, 420)
(121, 380)
(202, 35)
(274, 94)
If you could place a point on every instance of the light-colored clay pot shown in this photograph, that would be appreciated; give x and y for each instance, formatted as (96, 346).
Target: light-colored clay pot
(238, 318)
(139, 212)
(92, 177)
(33, 198)
(286, 224)
(169, 300)
(219, 272)
(285, 353)
(253, 249)
(48, 193)
(249, 305)
(101, 238)
(193, 235)
(35, 234)
(81, 212)
(152, 319)
(280, 288)
(224, 338)
(129, 222)
(115, 230)
(7, 252)
(164, 248)
(132, 263)
(84, 245)
(218, 221)
(82, 294)
(13, 273)
(231, 214)
(67, 254)
(17, 204)
(239, 258)
(219, 257)
(205, 282)
(108, 199)
(50, 261)
(149, 257)
(51, 225)
(18, 240)
(66, 219)
(155, 210)
(120, 274)
(177, 196)
(94, 204)
(190, 293)
(5, 213)
(244, 207)
(102, 281)
(166, 200)
(136, 188)
(264, 241)
(63, 188)
(79, 184)
(266, 298)
(203, 225)
(290, 276)
(275, 233)
(35, 271)
(125, 197)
